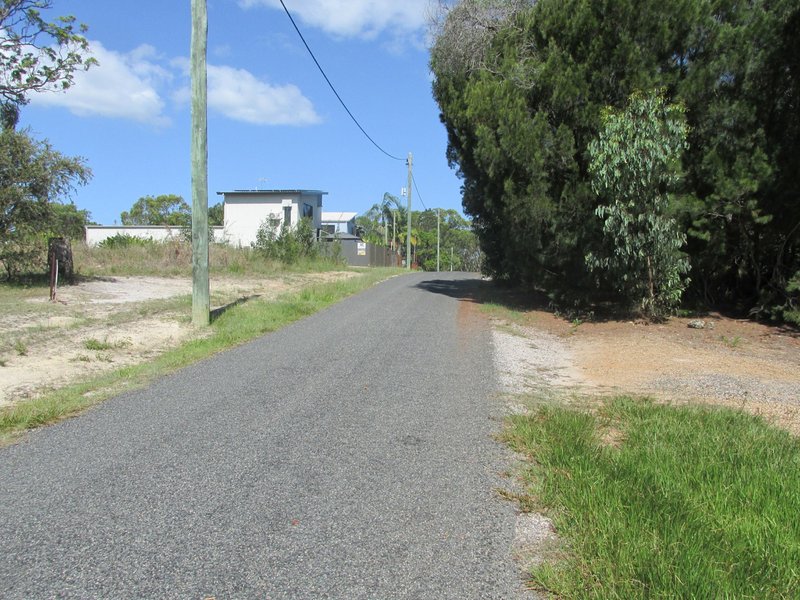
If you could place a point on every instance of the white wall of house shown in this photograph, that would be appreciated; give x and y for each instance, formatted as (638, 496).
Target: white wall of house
(158, 233)
(246, 210)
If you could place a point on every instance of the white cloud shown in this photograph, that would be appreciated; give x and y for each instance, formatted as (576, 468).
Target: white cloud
(127, 86)
(356, 18)
(239, 95)
(120, 86)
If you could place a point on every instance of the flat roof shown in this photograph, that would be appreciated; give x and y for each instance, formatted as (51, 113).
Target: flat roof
(273, 192)
(338, 217)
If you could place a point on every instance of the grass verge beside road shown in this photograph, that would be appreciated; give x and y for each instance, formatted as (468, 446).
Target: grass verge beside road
(656, 501)
(235, 326)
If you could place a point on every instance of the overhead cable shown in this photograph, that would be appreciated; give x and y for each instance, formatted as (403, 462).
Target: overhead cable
(414, 181)
(321, 70)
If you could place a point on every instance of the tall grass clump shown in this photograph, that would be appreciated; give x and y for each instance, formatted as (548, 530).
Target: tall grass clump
(656, 501)
(127, 255)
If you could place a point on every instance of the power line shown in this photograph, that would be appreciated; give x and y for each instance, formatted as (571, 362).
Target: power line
(321, 70)
(414, 181)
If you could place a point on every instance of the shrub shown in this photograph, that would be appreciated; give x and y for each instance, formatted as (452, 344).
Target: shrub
(124, 240)
(286, 244)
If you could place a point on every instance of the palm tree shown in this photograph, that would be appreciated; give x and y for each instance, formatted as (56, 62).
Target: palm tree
(377, 220)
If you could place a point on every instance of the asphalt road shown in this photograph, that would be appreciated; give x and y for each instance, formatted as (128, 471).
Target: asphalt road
(348, 455)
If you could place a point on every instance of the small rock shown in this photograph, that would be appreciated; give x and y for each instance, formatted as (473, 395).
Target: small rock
(696, 324)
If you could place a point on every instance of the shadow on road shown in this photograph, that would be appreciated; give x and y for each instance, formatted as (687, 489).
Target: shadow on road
(482, 291)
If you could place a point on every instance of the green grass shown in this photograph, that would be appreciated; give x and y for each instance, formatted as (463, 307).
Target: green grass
(731, 342)
(657, 501)
(235, 326)
(95, 344)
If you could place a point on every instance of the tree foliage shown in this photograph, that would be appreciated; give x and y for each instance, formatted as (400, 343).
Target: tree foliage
(520, 121)
(286, 244)
(166, 209)
(634, 161)
(455, 233)
(33, 178)
(216, 215)
(37, 54)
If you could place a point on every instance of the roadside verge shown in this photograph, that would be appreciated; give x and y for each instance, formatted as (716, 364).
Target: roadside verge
(236, 325)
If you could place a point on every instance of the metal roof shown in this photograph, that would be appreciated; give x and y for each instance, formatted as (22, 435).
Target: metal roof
(338, 217)
(273, 192)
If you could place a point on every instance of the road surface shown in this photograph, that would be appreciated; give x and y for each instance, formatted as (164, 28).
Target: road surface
(348, 455)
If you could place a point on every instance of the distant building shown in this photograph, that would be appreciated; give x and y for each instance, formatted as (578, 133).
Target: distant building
(158, 233)
(246, 210)
(339, 222)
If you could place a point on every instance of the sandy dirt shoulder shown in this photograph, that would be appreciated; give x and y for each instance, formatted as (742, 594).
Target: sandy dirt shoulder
(726, 361)
(106, 323)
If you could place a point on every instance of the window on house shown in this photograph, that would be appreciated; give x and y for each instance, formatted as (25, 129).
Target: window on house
(287, 216)
(308, 211)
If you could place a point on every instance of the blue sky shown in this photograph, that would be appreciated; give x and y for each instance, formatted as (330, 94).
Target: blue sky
(273, 123)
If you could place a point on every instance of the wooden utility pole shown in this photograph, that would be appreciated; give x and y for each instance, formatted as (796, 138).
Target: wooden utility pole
(408, 232)
(201, 305)
(438, 237)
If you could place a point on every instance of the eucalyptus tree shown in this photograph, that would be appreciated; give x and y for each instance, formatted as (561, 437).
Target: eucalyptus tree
(37, 54)
(635, 162)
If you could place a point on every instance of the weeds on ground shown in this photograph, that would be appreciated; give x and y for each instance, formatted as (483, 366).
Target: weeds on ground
(174, 258)
(95, 344)
(731, 342)
(656, 501)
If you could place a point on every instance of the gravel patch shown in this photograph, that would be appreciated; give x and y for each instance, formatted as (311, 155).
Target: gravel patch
(529, 359)
(729, 388)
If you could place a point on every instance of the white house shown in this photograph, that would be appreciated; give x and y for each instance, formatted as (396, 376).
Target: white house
(339, 222)
(246, 210)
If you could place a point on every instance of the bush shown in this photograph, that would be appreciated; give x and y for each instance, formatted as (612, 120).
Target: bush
(286, 244)
(124, 240)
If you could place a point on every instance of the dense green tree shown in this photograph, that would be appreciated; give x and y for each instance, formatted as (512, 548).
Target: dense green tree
(521, 116)
(33, 177)
(216, 215)
(166, 209)
(67, 220)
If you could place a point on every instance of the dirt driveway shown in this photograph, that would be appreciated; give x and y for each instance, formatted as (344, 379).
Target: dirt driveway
(105, 323)
(717, 360)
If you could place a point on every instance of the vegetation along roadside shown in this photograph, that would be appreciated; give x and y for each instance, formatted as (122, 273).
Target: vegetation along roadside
(639, 474)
